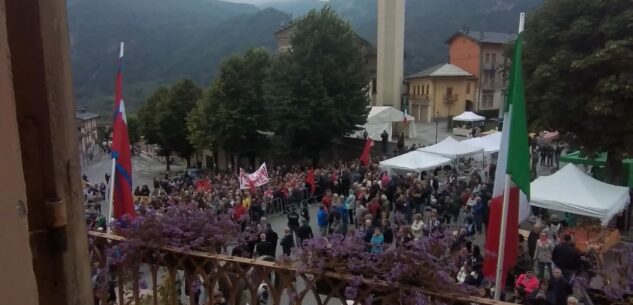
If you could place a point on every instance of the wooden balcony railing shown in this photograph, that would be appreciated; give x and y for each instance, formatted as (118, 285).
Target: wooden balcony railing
(191, 277)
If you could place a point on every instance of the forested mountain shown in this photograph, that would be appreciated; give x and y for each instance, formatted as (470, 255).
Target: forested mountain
(172, 39)
(165, 40)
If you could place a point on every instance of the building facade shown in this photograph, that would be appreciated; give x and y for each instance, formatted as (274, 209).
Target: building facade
(86, 133)
(482, 55)
(440, 91)
(284, 43)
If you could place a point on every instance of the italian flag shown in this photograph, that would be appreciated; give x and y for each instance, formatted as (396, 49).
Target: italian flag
(513, 163)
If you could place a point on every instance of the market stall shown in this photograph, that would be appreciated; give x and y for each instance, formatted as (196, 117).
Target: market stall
(452, 148)
(465, 122)
(570, 190)
(413, 161)
(382, 118)
(490, 143)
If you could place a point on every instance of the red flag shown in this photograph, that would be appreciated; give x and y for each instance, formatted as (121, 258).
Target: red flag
(122, 201)
(310, 180)
(365, 157)
(493, 233)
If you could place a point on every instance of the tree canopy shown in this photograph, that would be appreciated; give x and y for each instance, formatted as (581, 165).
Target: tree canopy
(164, 115)
(317, 90)
(578, 63)
(233, 109)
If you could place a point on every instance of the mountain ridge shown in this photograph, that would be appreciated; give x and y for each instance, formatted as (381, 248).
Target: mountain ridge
(166, 40)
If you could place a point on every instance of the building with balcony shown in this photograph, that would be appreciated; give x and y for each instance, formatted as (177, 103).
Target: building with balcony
(284, 43)
(86, 133)
(482, 55)
(440, 91)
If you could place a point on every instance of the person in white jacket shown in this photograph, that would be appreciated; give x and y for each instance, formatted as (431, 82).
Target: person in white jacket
(417, 226)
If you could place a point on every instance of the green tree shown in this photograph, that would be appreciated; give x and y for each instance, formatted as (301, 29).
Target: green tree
(578, 63)
(163, 119)
(233, 110)
(317, 91)
(133, 129)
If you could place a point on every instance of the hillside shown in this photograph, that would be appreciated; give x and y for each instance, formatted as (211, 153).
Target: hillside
(171, 39)
(165, 40)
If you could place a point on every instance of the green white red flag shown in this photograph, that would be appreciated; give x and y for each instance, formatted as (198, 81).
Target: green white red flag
(513, 162)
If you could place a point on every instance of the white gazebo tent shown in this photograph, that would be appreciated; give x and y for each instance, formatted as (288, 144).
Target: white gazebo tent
(490, 143)
(382, 118)
(465, 122)
(452, 148)
(414, 161)
(571, 190)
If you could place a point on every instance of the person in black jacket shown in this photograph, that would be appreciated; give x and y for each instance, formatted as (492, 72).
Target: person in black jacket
(305, 213)
(264, 247)
(293, 220)
(559, 289)
(304, 232)
(272, 237)
(566, 257)
(387, 232)
(287, 242)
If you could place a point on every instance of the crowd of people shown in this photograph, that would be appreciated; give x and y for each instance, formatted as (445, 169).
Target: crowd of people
(389, 209)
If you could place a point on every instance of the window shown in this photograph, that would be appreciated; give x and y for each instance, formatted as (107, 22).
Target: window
(427, 89)
(485, 78)
(486, 101)
(494, 59)
(492, 76)
(487, 57)
(468, 88)
(449, 94)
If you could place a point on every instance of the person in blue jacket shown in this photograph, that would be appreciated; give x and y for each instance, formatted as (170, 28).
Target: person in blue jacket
(377, 241)
(322, 220)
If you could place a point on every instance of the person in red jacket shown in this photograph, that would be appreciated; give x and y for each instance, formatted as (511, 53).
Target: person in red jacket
(374, 208)
(327, 200)
(525, 283)
(239, 211)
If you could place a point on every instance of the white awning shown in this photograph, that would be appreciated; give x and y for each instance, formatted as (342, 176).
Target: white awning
(381, 118)
(415, 161)
(571, 190)
(490, 143)
(469, 116)
(451, 148)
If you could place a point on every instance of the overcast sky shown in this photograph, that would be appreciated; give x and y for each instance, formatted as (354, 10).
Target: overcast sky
(260, 2)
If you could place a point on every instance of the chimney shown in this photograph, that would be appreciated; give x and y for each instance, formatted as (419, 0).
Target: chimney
(467, 29)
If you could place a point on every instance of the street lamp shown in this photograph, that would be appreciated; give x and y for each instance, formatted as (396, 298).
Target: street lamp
(437, 122)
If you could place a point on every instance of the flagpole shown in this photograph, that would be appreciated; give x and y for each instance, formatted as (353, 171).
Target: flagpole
(504, 215)
(112, 172)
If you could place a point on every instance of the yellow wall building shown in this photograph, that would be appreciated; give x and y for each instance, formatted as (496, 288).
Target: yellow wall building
(440, 91)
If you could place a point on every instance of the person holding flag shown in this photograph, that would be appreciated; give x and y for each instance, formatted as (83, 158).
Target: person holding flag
(365, 157)
(509, 205)
(121, 200)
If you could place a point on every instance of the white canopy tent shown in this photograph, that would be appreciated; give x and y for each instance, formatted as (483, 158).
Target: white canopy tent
(382, 118)
(464, 123)
(452, 148)
(490, 143)
(571, 190)
(415, 161)
(469, 116)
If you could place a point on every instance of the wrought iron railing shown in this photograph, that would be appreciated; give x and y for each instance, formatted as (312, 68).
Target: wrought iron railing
(170, 276)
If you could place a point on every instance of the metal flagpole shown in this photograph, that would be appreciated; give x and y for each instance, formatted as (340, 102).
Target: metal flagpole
(113, 175)
(504, 211)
